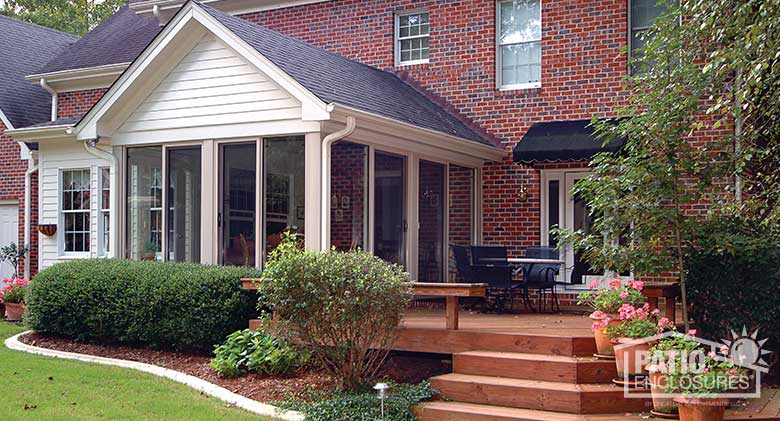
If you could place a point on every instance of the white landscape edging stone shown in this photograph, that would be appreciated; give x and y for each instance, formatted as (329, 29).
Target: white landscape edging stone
(196, 383)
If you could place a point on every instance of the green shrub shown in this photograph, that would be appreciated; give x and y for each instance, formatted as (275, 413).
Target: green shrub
(258, 351)
(357, 406)
(734, 280)
(178, 306)
(347, 306)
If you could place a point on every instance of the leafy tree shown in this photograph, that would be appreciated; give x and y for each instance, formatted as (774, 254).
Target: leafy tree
(648, 200)
(73, 16)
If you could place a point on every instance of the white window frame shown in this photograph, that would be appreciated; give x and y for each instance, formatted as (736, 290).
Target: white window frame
(499, 83)
(62, 212)
(630, 32)
(104, 224)
(398, 39)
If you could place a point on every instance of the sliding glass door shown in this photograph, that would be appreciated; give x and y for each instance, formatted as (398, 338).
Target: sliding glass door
(183, 223)
(284, 172)
(390, 207)
(144, 203)
(430, 243)
(237, 216)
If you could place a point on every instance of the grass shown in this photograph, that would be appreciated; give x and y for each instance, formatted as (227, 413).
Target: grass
(36, 387)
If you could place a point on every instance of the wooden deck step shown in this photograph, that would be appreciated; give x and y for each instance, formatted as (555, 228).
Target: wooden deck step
(443, 341)
(459, 411)
(556, 368)
(536, 394)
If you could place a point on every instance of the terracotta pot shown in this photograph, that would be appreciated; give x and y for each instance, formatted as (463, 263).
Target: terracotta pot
(657, 382)
(702, 409)
(603, 344)
(628, 356)
(14, 311)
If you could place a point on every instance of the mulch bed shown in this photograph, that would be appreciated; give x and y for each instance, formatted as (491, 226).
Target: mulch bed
(406, 368)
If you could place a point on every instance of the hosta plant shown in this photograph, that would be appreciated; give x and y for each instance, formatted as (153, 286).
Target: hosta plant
(258, 351)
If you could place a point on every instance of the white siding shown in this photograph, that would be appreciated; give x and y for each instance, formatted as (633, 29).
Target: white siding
(211, 86)
(53, 158)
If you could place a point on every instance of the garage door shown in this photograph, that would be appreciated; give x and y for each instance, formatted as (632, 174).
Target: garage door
(9, 232)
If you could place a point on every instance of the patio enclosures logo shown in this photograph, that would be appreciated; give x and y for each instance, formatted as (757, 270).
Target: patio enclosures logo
(690, 365)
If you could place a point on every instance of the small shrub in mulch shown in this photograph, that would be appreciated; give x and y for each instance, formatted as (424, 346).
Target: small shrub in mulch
(258, 351)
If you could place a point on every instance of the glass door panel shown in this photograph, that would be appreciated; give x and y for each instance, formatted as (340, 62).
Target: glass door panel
(284, 174)
(349, 194)
(144, 203)
(578, 217)
(389, 208)
(430, 241)
(237, 217)
(184, 181)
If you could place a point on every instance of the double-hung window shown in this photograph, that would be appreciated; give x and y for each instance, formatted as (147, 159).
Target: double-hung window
(642, 13)
(519, 27)
(412, 34)
(75, 210)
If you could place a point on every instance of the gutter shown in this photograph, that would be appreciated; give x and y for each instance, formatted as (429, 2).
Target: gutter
(92, 148)
(327, 142)
(31, 169)
(53, 93)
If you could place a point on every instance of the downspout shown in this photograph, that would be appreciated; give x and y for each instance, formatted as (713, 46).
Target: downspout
(327, 141)
(32, 168)
(53, 93)
(92, 148)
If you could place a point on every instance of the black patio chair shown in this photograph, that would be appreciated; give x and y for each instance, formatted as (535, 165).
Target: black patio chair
(541, 276)
(463, 263)
(490, 266)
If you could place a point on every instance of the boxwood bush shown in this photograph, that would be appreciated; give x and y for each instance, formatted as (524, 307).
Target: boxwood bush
(179, 306)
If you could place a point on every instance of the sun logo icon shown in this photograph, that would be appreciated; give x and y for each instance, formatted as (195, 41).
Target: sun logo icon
(745, 350)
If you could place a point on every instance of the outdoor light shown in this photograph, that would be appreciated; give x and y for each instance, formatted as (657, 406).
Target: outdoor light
(381, 389)
(522, 193)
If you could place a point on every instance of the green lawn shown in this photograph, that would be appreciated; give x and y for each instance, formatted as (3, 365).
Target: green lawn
(69, 390)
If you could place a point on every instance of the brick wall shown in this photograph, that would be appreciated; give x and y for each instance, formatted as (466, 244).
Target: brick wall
(461, 215)
(583, 68)
(70, 104)
(12, 170)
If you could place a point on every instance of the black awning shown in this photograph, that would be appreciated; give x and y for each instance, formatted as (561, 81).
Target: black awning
(560, 141)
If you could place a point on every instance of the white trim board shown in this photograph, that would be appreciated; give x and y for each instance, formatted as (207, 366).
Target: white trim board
(196, 383)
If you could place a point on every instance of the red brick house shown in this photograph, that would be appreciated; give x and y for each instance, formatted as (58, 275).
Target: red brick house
(198, 132)
(26, 48)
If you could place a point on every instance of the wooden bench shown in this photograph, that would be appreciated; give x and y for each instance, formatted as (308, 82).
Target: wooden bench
(452, 292)
(667, 290)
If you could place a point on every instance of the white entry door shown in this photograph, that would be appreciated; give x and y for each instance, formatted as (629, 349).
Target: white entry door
(9, 232)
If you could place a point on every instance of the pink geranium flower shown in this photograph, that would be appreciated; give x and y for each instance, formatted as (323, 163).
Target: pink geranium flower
(615, 283)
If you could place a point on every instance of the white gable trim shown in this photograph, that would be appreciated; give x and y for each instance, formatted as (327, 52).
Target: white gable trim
(180, 35)
(6, 121)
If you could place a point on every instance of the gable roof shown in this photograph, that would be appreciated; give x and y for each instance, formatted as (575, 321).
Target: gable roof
(119, 39)
(25, 47)
(337, 79)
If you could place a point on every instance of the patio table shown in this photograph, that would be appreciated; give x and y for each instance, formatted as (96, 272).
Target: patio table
(452, 292)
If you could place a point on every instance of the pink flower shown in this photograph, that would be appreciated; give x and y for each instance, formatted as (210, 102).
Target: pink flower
(598, 314)
(691, 332)
(594, 285)
(637, 285)
(615, 283)
(655, 312)
(624, 294)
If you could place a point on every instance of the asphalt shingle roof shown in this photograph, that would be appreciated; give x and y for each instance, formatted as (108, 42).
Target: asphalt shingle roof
(337, 79)
(26, 47)
(119, 39)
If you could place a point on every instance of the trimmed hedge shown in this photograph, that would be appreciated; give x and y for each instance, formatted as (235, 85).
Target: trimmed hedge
(734, 280)
(179, 306)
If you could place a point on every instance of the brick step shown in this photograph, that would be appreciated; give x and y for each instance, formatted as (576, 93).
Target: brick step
(536, 394)
(444, 341)
(459, 411)
(555, 368)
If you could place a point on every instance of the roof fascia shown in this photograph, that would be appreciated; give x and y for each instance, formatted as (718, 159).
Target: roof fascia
(167, 8)
(422, 135)
(81, 79)
(36, 134)
(6, 121)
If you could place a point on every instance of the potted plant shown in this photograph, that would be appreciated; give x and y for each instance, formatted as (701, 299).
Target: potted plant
(150, 251)
(635, 323)
(605, 303)
(699, 388)
(668, 351)
(12, 295)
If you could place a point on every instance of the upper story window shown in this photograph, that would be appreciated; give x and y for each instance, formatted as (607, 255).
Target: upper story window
(519, 55)
(412, 34)
(75, 210)
(641, 16)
